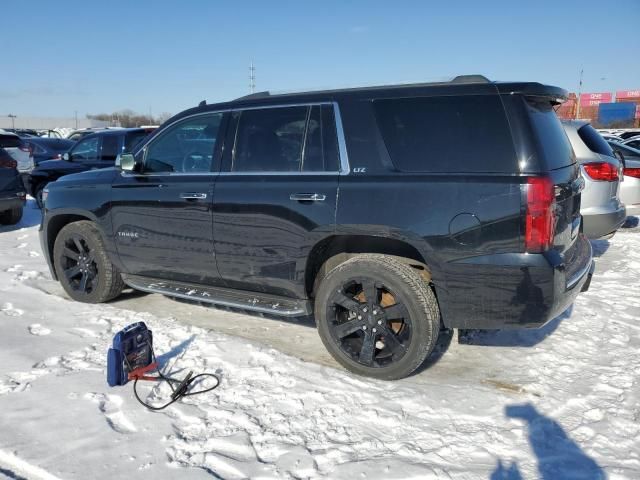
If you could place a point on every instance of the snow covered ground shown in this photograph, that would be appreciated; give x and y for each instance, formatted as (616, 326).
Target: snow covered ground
(560, 402)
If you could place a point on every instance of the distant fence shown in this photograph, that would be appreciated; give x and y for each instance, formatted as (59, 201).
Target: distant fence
(46, 123)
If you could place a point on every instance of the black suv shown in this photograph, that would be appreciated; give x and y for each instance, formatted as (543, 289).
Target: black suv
(97, 150)
(390, 213)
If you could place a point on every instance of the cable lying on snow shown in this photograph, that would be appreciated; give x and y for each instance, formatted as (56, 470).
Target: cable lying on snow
(132, 357)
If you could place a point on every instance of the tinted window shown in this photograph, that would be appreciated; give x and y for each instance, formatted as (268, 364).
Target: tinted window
(110, 148)
(9, 141)
(86, 150)
(270, 140)
(132, 139)
(186, 147)
(551, 137)
(447, 134)
(321, 145)
(634, 144)
(594, 141)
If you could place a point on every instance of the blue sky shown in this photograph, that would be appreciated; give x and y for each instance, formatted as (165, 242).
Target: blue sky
(94, 57)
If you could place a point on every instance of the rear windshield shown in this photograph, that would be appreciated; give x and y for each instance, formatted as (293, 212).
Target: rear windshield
(594, 140)
(10, 141)
(456, 134)
(551, 136)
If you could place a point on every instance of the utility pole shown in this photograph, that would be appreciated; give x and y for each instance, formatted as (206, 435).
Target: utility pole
(579, 93)
(13, 120)
(252, 77)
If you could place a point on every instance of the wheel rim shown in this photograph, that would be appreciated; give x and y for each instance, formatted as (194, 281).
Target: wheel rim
(369, 322)
(78, 264)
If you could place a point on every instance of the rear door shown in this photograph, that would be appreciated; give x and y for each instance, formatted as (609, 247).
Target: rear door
(276, 195)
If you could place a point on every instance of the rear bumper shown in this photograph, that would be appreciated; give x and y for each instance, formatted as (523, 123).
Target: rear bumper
(514, 290)
(597, 225)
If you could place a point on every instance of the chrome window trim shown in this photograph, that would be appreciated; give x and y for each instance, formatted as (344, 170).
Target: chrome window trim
(342, 144)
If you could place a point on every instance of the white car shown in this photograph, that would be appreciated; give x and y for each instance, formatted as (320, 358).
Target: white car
(18, 150)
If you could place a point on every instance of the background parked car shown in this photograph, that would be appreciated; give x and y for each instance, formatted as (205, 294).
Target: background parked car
(12, 193)
(44, 148)
(633, 142)
(630, 188)
(97, 150)
(18, 149)
(602, 211)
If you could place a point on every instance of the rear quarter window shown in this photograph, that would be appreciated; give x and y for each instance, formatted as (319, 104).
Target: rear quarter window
(448, 134)
(551, 137)
(10, 141)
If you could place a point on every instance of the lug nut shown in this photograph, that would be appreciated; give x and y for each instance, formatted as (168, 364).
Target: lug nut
(364, 309)
(359, 317)
(379, 322)
(364, 327)
(374, 330)
(375, 312)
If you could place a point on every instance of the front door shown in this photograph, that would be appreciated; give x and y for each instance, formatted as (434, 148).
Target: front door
(162, 216)
(276, 196)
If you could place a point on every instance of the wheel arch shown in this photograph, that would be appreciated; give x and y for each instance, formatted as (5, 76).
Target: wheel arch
(336, 249)
(57, 223)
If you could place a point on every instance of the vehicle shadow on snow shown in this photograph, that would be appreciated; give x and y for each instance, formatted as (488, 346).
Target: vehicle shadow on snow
(631, 222)
(557, 454)
(31, 216)
(512, 338)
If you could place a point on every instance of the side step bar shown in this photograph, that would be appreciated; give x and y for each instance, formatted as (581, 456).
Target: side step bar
(258, 302)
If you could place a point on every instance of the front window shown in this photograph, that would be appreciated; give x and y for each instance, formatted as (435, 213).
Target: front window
(186, 147)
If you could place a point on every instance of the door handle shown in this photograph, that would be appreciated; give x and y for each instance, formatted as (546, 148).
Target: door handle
(307, 197)
(193, 196)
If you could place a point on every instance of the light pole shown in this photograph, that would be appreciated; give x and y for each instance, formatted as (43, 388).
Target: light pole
(13, 120)
(579, 93)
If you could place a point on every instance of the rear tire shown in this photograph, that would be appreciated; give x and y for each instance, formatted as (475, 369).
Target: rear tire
(11, 217)
(82, 264)
(377, 316)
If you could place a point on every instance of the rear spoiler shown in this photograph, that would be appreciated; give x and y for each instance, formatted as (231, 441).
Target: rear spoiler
(555, 95)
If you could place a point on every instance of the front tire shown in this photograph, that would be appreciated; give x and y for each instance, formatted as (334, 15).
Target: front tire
(82, 264)
(377, 316)
(11, 217)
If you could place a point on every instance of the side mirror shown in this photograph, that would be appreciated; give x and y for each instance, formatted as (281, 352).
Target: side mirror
(66, 157)
(128, 163)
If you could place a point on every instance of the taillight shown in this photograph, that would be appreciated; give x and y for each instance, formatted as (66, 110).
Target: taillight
(601, 171)
(632, 172)
(539, 220)
(8, 163)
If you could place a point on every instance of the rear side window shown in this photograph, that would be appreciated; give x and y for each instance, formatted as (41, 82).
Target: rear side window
(552, 139)
(286, 139)
(447, 134)
(9, 141)
(132, 139)
(594, 141)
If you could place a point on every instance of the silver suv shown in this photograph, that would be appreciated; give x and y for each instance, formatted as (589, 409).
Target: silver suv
(602, 211)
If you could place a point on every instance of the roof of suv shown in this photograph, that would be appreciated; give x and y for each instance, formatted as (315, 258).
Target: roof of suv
(463, 85)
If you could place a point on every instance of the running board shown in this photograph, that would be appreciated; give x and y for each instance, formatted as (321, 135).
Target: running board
(258, 302)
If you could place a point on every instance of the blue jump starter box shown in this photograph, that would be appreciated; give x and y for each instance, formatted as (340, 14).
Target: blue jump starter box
(132, 349)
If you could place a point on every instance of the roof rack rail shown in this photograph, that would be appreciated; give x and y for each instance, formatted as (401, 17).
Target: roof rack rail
(255, 95)
(470, 79)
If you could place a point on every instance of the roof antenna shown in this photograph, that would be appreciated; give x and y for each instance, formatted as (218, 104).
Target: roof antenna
(252, 78)
(202, 103)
